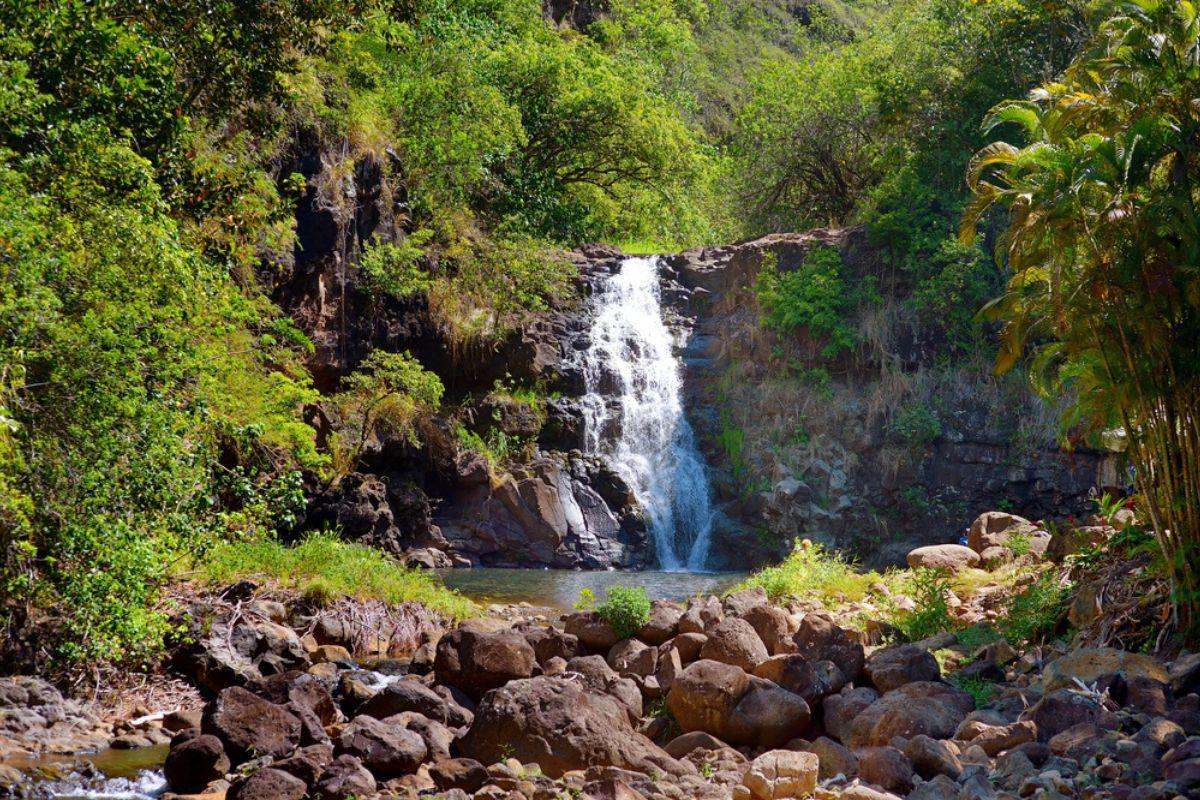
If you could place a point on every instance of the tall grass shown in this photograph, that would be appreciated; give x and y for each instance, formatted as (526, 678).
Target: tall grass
(812, 572)
(322, 564)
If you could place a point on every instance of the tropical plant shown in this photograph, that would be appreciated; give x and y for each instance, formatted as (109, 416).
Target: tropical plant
(1103, 242)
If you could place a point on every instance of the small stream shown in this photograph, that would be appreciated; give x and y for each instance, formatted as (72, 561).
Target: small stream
(105, 775)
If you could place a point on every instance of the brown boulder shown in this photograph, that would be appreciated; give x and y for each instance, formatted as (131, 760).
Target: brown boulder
(557, 724)
(632, 657)
(734, 641)
(952, 557)
(689, 646)
(412, 695)
(892, 667)
(549, 642)
(820, 639)
(989, 528)
(739, 602)
(1064, 708)
(843, 708)
(194, 763)
(662, 624)
(932, 757)
(933, 709)
(835, 759)
(466, 774)
(268, 784)
(794, 672)
(592, 630)
(1087, 664)
(885, 767)
(781, 774)
(704, 695)
(250, 727)
(387, 750)
(476, 662)
(300, 688)
(345, 778)
(767, 715)
(773, 626)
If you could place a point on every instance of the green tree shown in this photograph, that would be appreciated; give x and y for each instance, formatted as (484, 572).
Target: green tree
(1103, 242)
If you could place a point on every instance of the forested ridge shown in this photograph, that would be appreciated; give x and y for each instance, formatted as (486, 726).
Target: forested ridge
(154, 399)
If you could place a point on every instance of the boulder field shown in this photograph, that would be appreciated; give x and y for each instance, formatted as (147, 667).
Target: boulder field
(730, 697)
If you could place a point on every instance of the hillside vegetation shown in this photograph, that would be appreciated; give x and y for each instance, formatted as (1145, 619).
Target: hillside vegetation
(152, 396)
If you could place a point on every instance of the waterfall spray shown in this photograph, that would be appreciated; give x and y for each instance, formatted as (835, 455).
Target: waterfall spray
(633, 412)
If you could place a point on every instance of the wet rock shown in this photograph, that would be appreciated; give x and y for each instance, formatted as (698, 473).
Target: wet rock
(476, 662)
(734, 641)
(559, 725)
(892, 667)
(251, 727)
(193, 764)
(387, 750)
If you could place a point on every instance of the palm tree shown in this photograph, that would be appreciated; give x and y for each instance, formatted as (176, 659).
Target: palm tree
(1103, 242)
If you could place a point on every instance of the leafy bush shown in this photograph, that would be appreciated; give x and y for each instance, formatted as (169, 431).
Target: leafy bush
(928, 589)
(977, 636)
(1033, 614)
(815, 297)
(625, 608)
(980, 689)
(812, 572)
(916, 425)
(394, 268)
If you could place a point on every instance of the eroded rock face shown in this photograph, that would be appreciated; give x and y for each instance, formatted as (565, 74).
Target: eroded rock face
(557, 724)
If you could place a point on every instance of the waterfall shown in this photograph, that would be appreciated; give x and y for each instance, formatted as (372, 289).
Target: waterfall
(633, 412)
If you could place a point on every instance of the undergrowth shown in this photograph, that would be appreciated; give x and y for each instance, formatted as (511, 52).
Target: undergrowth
(625, 608)
(323, 568)
(812, 571)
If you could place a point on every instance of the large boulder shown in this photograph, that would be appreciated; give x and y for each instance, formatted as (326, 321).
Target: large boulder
(780, 774)
(633, 657)
(704, 695)
(952, 557)
(662, 624)
(476, 661)
(194, 763)
(1064, 708)
(932, 709)
(700, 614)
(843, 708)
(300, 688)
(344, 778)
(992, 529)
(268, 784)
(891, 667)
(767, 715)
(549, 642)
(794, 672)
(591, 630)
(412, 695)
(387, 750)
(250, 726)
(738, 603)
(559, 725)
(734, 641)
(819, 638)
(773, 626)
(886, 767)
(234, 652)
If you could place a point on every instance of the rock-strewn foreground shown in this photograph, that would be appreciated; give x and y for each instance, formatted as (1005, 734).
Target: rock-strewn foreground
(718, 698)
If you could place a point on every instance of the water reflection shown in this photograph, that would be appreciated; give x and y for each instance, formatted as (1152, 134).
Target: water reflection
(559, 588)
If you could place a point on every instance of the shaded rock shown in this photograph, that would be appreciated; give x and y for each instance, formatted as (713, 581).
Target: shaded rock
(843, 708)
(250, 726)
(466, 774)
(952, 557)
(939, 788)
(933, 709)
(734, 641)
(385, 749)
(298, 687)
(559, 725)
(549, 642)
(631, 656)
(835, 759)
(268, 784)
(1064, 708)
(411, 695)
(224, 655)
(689, 646)
(820, 639)
(662, 624)
(599, 678)
(779, 774)
(685, 743)
(892, 667)
(886, 767)
(476, 662)
(767, 715)
(193, 764)
(344, 778)
(794, 672)
(700, 614)
(592, 630)
(932, 757)
(773, 626)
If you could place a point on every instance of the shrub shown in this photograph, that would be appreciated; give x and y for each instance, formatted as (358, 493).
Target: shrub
(1032, 615)
(928, 589)
(811, 571)
(915, 425)
(980, 689)
(625, 608)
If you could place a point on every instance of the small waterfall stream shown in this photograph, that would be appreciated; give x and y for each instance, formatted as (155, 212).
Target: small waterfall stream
(633, 412)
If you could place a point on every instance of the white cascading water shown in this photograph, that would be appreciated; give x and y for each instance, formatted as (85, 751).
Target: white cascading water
(633, 412)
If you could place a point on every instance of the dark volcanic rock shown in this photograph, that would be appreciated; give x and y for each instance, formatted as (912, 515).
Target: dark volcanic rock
(476, 662)
(250, 726)
(193, 764)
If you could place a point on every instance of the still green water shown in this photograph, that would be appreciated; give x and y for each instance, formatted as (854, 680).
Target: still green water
(559, 588)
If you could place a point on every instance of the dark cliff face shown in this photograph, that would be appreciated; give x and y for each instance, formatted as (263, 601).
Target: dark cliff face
(436, 504)
(823, 457)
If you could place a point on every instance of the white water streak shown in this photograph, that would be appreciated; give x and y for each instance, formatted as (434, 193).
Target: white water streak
(631, 360)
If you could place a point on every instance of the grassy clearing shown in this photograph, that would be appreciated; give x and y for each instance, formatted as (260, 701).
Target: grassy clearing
(323, 566)
(813, 573)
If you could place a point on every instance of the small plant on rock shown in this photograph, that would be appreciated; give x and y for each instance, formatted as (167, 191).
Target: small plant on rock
(929, 589)
(625, 608)
(1032, 615)
(980, 689)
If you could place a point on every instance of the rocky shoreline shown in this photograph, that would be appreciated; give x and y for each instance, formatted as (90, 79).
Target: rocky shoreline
(733, 697)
